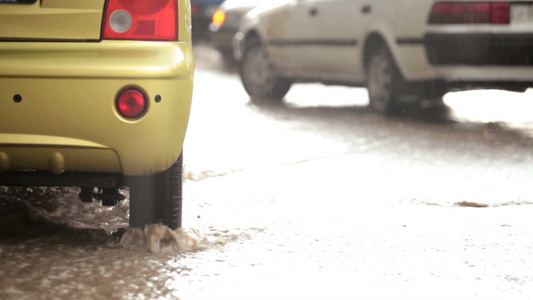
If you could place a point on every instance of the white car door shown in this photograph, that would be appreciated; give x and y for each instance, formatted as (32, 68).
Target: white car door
(340, 36)
(291, 34)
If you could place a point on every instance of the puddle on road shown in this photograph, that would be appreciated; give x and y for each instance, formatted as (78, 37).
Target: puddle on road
(61, 247)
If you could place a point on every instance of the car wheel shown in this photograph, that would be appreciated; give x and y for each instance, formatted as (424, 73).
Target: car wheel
(157, 198)
(384, 82)
(258, 76)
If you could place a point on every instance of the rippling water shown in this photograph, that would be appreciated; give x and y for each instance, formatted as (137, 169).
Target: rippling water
(52, 246)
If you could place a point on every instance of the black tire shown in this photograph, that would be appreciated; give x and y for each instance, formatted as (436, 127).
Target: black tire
(258, 76)
(228, 58)
(157, 198)
(385, 84)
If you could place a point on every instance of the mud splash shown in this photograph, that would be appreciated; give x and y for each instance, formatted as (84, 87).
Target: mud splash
(160, 238)
(471, 204)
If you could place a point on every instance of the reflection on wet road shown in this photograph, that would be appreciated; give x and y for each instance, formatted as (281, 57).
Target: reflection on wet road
(313, 198)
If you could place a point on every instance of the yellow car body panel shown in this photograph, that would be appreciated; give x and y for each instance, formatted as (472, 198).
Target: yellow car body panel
(57, 98)
(52, 19)
(55, 159)
(105, 59)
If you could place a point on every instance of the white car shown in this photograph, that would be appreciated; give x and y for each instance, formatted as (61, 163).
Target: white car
(401, 50)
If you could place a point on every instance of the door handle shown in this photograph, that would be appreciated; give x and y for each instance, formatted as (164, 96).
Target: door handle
(365, 9)
(313, 11)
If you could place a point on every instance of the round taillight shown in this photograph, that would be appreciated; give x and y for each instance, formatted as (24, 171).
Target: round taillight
(131, 103)
(120, 21)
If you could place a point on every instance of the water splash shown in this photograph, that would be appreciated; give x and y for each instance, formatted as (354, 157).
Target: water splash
(160, 238)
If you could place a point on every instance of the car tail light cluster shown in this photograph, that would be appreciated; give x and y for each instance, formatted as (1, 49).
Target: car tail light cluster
(131, 103)
(470, 13)
(155, 20)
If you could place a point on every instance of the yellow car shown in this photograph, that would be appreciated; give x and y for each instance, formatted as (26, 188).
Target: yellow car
(97, 94)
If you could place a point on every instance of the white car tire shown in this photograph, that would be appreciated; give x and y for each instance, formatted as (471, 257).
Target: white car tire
(384, 82)
(258, 76)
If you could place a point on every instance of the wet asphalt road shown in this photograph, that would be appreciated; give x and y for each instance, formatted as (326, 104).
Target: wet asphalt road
(313, 198)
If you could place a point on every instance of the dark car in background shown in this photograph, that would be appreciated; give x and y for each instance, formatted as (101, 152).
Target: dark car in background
(225, 24)
(202, 11)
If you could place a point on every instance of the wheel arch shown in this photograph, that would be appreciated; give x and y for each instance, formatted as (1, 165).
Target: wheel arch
(251, 37)
(373, 40)
(243, 40)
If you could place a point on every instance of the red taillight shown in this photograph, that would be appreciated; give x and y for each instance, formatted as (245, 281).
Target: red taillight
(154, 20)
(470, 13)
(500, 13)
(131, 103)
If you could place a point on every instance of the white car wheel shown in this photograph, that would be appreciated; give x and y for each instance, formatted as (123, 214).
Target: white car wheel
(384, 81)
(258, 77)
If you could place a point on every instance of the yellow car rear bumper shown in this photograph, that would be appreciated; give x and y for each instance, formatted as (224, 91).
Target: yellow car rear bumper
(57, 104)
